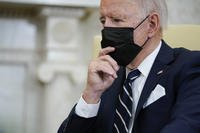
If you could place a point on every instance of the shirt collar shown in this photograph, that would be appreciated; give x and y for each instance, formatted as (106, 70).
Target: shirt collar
(146, 65)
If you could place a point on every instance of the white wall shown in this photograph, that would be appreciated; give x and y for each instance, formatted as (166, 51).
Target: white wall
(184, 11)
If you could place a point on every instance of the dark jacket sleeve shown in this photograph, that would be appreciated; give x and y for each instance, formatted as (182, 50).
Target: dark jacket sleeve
(77, 124)
(185, 117)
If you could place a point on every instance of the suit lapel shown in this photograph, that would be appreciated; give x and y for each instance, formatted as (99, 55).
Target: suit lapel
(164, 57)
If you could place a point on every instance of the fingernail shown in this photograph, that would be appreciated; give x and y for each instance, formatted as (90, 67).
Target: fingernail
(115, 75)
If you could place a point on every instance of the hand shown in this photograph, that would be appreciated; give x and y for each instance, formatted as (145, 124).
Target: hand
(101, 74)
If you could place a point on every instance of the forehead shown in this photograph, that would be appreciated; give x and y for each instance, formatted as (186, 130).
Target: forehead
(122, 7)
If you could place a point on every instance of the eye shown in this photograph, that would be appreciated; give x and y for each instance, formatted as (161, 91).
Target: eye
(116, 20)
(102, 20)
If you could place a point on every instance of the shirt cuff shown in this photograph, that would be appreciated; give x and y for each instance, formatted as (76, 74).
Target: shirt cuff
(85, 110)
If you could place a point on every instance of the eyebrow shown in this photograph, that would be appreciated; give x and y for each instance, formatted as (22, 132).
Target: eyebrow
(113, 16)
(101, 17)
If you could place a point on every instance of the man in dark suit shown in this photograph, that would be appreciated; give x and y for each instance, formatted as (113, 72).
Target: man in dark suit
(165, 92)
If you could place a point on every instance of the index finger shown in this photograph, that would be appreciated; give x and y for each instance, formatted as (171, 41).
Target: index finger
(106, 50)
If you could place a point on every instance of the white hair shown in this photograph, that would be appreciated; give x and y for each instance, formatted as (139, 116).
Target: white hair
(158, 6)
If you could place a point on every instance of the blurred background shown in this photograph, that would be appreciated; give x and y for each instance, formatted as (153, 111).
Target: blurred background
(45, 47)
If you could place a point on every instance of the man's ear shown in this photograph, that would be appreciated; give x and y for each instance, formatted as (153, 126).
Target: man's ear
(154, 24)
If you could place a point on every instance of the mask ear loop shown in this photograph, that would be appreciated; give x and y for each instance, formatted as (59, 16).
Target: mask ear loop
(139, 25)
(141, 22)
(145, 42)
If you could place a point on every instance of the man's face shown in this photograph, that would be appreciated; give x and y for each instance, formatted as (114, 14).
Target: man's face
(122, 13)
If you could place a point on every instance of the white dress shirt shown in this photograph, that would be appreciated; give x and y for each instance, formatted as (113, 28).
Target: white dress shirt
(90, 110)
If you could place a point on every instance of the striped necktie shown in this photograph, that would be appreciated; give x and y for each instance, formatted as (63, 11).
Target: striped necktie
(124, 107)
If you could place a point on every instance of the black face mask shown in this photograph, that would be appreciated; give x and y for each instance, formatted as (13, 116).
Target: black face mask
(123, 42)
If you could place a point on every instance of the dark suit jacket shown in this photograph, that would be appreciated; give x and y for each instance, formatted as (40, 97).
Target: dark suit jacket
(176, 112)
